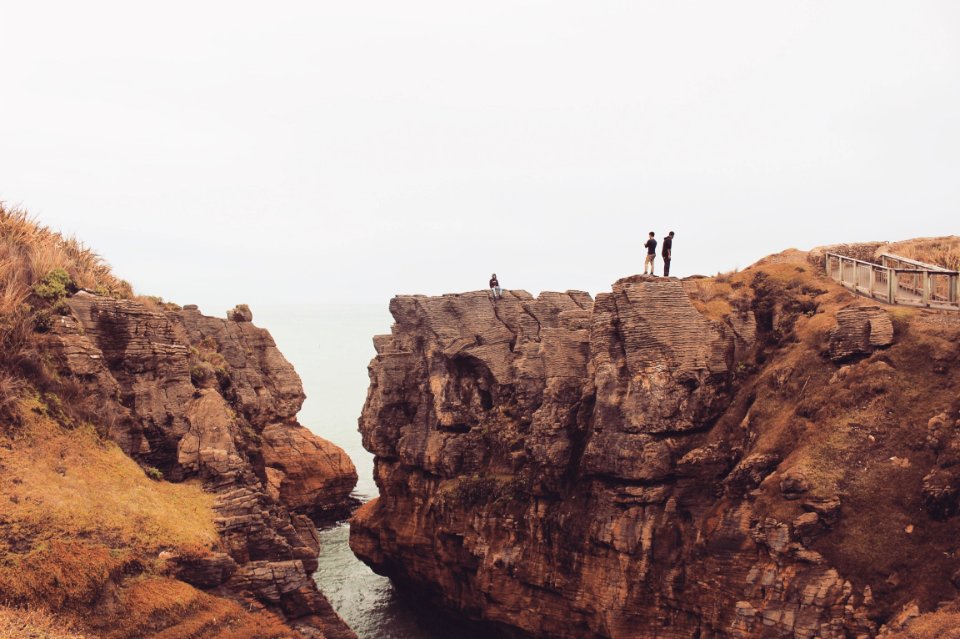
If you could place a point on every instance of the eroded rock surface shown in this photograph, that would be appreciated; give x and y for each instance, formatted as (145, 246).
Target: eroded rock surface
(197, 396)
(574, 469)
(860, 331)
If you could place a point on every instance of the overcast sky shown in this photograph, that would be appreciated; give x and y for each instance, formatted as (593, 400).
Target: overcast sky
(291, 152)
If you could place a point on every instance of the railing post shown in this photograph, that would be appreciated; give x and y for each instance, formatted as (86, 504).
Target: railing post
(925, 296)
(873, 280)
(891, 286)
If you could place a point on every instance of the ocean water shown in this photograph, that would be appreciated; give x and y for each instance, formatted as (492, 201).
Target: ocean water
(330, 346)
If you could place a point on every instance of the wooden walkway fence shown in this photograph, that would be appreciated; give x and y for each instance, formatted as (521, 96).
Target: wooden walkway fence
(898, 280)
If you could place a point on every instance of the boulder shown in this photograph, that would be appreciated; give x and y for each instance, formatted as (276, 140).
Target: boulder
(860, 330)
(240, 313)
(307, 473)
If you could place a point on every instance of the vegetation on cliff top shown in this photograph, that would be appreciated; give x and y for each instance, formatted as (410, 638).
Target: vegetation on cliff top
(82, 526)
(29, 252)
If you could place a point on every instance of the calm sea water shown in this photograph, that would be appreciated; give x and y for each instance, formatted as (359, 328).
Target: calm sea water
(330, 346)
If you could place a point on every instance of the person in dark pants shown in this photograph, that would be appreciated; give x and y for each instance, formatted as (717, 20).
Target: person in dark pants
(667, 253)
(651, 247)
(495, 288)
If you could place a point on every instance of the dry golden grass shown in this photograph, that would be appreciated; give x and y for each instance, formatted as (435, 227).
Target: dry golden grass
(80, 517)
(16, 623)
(70, 484)
(163, 608)
(841, 429)
(58, 575)
(711, 296)
(942, 251)
(934, 625)
(29, 251)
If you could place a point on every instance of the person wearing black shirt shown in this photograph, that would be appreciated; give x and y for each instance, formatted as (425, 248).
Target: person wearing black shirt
(495, 288)
(667, 253)
(651, 246)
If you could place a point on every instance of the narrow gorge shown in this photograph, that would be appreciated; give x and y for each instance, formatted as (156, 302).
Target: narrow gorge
(760, 454)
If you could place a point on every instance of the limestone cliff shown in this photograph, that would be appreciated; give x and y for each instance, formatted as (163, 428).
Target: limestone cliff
(199, 397)
(741, 456)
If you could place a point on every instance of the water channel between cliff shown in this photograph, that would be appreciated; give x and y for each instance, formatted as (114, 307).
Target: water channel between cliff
(330, 347)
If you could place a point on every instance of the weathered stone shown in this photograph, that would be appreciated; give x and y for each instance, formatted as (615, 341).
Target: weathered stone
(204, 571)
(571, 485)
(794, 483)
(860, 330)
(806, 526)
(240, 313)
(143, 374)
(827, 508)
(309, 473)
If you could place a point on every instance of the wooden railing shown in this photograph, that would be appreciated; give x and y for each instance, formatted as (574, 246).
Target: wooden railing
(897, 280)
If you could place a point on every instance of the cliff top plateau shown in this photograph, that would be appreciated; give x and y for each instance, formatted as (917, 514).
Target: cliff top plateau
(757, 454)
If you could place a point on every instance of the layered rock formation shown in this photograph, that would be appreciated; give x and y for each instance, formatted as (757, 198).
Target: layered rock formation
(199, 397)
(662, 462)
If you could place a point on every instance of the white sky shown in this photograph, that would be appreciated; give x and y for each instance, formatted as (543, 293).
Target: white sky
(345, 151)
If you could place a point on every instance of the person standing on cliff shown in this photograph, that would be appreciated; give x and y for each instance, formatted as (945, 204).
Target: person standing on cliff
(651, 246)
(667, 253)
(495, 288)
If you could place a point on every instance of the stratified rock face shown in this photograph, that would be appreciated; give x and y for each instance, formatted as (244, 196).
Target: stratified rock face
(570, 469)
(197, 396)
(860, 331)
(306, 472)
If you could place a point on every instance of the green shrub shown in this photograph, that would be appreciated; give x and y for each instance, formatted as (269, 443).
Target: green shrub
(153, 473)
(55, 286)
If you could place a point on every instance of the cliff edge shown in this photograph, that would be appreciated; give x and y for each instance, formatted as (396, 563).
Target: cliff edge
(156, 480)
(760, 454)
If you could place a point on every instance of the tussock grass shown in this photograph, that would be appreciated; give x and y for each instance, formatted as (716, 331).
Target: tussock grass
(164, 608)
(25, 623)
(942, 251)
(29, 251)
(935, 625)
(72, 484)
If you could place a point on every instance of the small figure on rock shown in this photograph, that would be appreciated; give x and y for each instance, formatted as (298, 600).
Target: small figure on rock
(651, 246)
(495, 288)
(667, 253)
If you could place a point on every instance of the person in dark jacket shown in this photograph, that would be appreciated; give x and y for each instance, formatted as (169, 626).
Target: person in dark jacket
(651, 247)
(667, 253)
(495, 288)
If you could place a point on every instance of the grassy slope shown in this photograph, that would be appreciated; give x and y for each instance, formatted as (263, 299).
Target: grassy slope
(81, 525)
(856, 430)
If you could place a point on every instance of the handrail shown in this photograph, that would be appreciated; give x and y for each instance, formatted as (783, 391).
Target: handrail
(933, 287)
(938, 269)
(924, 266)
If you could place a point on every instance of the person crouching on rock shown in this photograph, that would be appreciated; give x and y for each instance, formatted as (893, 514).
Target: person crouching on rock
(495, 288)
(651, 246)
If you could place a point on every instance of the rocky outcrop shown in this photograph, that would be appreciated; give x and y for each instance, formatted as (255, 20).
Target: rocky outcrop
(860, 331)
(201, 397)
(562, 468)
(305, 472)
(863, 251)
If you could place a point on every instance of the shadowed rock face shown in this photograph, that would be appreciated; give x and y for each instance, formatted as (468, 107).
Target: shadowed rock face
(197, 396)
(566, 468)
